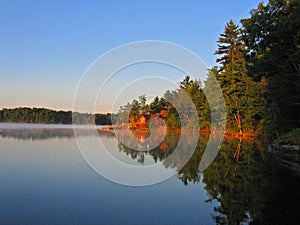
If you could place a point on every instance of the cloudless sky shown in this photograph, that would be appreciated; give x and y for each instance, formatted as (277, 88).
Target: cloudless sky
(45, 46)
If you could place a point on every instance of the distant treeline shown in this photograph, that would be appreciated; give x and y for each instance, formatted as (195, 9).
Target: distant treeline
(48, 116)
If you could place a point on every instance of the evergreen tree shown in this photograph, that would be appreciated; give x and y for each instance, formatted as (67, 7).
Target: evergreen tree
(214, 112)
(272, 34)
(194, 90)
(240, 91)
(158, 104)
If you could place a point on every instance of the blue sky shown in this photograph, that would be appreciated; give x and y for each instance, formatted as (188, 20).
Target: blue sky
(45, 46)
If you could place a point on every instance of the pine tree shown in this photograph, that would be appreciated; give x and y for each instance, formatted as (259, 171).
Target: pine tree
(272, 34)
(240, 91)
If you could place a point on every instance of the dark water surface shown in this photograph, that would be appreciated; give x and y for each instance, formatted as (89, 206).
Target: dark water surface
(45, 180)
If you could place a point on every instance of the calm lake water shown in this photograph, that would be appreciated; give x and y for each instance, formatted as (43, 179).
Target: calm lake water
(45, 180)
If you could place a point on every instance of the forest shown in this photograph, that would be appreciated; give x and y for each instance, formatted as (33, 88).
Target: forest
(48, 116)
(258, 71)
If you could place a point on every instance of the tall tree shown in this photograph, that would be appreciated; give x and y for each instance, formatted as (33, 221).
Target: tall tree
(240, 91)
(272, 34)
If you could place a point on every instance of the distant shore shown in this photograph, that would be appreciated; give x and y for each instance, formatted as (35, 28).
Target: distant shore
(12, 125)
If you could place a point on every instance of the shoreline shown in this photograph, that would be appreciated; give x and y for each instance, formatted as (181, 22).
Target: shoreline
(228, 134)
(286, 154)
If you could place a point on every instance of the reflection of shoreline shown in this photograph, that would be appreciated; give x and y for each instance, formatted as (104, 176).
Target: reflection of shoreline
(36, 134)
(47, 131)
(47, 126)
(227, 134)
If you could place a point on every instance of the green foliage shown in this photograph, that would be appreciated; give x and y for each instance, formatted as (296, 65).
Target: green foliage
(158, 104)
(194, 89)
(130, 112)
(188, 105)
(48, 116)
(243, 97)
(292, 137)
(103, 119)
(236, 179)
(231, 49)
(188, 100)
(272, 36)
(28, 115)
(173, 119)
(213, 112)
(183, 108)
(123, 114)
(1, 116)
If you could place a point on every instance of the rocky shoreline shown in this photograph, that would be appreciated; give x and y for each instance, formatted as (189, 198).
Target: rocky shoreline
(287, 154)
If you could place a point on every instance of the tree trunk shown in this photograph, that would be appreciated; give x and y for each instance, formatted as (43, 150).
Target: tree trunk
(238, 121)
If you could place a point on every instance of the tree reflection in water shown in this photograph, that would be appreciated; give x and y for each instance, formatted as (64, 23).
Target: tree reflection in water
(236, 179)
(139, 141)
(248, 184)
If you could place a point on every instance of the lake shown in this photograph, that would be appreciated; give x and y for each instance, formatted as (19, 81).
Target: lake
(47, 177)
